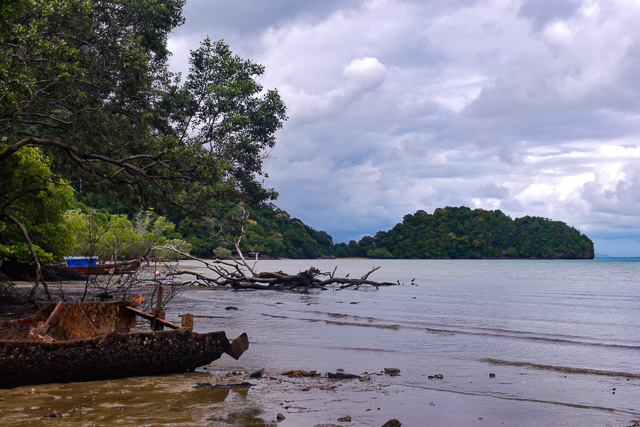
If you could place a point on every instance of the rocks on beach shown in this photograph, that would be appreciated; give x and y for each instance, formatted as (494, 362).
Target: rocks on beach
(341, 376)
(205, 386)
(301, 373)
(257, 374)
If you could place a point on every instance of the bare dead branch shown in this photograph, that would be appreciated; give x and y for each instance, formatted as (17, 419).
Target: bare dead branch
(228, 274)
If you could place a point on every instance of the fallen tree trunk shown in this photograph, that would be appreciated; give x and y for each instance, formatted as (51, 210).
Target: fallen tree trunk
(228, 274)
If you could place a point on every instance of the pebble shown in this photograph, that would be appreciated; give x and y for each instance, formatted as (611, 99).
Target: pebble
(341, 376)
(301, 373)
(257, 374)
(392, 371)
(345, 419)
(201, 386)
(280, 417)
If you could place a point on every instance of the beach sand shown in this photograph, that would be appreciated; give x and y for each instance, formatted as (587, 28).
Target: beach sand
(218, 397)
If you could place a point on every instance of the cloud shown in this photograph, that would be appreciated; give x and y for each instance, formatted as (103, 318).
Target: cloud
(365, 74)
(541, 12)
(361, 76)
(531, 107)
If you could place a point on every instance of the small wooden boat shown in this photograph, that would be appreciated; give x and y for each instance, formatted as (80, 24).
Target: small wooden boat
(67, 342)
(161, 260)
(123, 267)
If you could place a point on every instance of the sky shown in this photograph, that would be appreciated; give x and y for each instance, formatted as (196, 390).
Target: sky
(531, 107)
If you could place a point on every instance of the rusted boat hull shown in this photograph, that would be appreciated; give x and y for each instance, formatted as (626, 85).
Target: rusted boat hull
(112, 356)
(68, 342)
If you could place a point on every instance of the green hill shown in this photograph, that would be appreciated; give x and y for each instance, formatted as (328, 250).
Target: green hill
(271, 231)
(460, 232)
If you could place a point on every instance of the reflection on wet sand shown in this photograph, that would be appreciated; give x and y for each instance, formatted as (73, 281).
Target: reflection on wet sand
(170, 399)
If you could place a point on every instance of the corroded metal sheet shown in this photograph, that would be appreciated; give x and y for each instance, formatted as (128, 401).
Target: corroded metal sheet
(66, 321)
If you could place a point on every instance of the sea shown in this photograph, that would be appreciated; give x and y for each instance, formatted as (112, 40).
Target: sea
(538, 342)
(471, 343)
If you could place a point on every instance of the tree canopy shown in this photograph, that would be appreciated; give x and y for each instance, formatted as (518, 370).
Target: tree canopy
(269, 230)
(87, 82)
(33, 200)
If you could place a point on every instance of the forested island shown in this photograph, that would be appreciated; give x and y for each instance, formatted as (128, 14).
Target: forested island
(460, 232)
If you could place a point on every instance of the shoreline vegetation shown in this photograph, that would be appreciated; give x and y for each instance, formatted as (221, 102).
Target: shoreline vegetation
(270, 233)
(449, 233)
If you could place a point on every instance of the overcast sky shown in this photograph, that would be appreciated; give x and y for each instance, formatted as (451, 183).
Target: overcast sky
(531, 107)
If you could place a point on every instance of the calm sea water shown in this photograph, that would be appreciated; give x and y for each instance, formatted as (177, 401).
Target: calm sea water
(565, 334)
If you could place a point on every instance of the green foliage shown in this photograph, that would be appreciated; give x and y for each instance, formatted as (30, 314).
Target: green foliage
(33, 195)
(464, 233)
(379, 253)
(86, 229)
(114, 236)
(221, 253)
(269, 231)
(447, 233)
(222, 108)
(179, 244)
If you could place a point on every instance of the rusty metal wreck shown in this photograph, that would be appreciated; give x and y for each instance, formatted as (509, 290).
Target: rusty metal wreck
(66, 342)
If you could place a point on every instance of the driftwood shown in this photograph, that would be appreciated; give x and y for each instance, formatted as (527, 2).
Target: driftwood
(238, 274)
(307, 279)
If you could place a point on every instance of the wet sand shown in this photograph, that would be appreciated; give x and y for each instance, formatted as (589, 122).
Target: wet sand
(303, 401)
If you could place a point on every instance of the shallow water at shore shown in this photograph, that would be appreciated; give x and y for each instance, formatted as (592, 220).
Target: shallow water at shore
(561, 338)
(554, 333)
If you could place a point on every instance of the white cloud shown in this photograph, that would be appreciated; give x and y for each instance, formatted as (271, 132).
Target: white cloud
(365, 74)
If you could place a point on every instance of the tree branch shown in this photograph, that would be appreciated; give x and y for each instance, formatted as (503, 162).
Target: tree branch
(39, 278)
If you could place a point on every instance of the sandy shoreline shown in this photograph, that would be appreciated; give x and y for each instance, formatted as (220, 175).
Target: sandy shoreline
(192, 399)
(274, 399)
